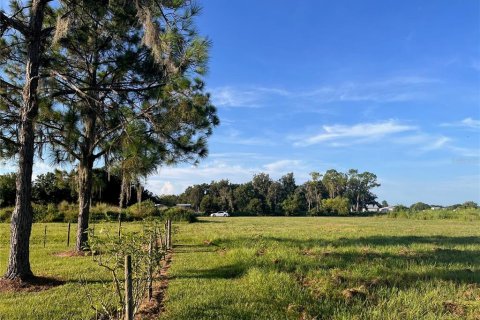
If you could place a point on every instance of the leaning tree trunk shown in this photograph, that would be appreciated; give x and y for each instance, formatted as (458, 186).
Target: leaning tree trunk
(21, 225)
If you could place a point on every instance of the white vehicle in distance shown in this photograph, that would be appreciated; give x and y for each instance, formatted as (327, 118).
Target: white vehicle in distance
(220, 214)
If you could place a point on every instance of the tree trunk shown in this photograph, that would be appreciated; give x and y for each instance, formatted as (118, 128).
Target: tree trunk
(84, 195)
(85, 180)
(21, 225)
(357, 207)
(139, 193)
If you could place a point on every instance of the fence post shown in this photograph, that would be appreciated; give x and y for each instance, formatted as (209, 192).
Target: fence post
(128, 288)
(45, 236)
(169, 234)
(150, 271)
(68, 235)
(119, 225)
(155, 245)
(160, 236)
(166, 235)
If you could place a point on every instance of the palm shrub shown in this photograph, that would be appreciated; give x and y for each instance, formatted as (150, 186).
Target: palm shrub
(143, 210)
(179, 214)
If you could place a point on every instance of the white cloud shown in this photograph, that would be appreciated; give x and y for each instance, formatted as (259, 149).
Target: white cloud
(282, 166)
(424, 142)
(466, 123)
(235, 97)
(438, 143)
(388, 90)
(472, 123)
(236, 137)
(176, 179)
(181, 177)
(167, 188)
(362, 132)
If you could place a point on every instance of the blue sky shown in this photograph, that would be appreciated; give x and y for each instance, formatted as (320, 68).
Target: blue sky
(390, 87)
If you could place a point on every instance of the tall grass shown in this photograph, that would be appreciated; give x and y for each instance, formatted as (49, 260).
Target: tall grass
(458, 214)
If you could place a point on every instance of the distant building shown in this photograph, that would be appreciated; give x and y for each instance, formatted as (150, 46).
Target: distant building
(371, 208)
(184, 205)
(387, 209)
(436, 208)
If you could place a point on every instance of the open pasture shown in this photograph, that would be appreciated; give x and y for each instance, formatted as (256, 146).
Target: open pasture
(279, 268)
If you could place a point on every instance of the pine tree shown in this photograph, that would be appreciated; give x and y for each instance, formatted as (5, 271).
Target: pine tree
(24, 39)
(124, 66)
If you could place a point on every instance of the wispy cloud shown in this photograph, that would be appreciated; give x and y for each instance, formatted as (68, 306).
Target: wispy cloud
(282, 166)
(389, 90)
(467, 123)
(236, 97)
(437, 143)
(235, 137)
(363, 132)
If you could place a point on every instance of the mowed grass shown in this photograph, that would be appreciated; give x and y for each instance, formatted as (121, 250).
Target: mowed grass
(325, 268)
(70, 300)
(279, 268)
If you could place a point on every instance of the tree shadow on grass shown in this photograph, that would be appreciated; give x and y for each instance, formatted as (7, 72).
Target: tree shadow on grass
(230, 271)
(439, 262)
(380, 241)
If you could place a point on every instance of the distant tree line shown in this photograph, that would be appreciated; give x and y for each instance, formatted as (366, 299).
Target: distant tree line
(59, 186)
(330, 193)
(421, 206)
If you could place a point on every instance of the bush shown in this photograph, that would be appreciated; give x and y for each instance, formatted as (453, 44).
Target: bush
(46, 213)
(6, 214)
(143, 210)
(338, 205)
(69, 211)
(179, 214)
(419, 206)
(103, 211)
(458, 214)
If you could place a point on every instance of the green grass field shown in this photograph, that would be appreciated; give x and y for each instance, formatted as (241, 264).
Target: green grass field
(284, 268)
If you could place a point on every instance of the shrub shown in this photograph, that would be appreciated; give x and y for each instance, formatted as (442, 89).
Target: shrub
(39, 212)
(69, 211)
(143, 210)
(419, 206)
(338, 205)
(400, 208)
(103, 211)
(46, 213)
(6, 214)
(179, 214)
(458, 214)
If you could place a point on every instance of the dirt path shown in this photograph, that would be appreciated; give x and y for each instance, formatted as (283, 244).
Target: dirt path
(154, 308)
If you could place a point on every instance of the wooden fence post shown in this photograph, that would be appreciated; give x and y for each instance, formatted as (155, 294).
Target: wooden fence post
(160, 236)
(119, 225)
(45, 236)
(150, 265)
(68, 235)
(169, 234)
(128, 288)
(166, 235)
